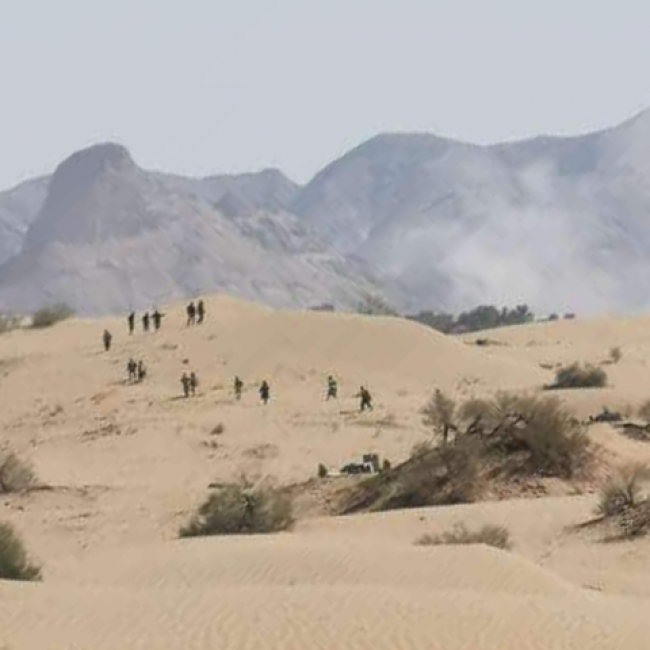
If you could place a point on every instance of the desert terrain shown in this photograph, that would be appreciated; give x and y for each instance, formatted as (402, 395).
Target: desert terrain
(124, 466)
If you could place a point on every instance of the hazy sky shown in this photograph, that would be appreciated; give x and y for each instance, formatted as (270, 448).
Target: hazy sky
(208, 86)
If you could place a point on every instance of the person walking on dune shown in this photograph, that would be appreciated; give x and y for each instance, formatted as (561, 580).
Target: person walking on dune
(194, 382)
(142, 373)
(191, 314)
(108, 337)
(265, 392)
(366, 399)
(332, 388)
(131, 321)
(239, 384)
(145, 321)
(132, 368)
(185, 380)
(157, 317)
(200, 311)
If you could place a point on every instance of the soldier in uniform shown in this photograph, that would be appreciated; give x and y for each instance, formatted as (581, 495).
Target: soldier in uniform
(239, 384)
(157, 317)
(200, 311)
(265, 392)
(194, 382)
(145, 321)
(142, 373)
(132, 368)
(108, 337)
(191, 314)
(332, 388)
(185, 380)
(131, 321)
(366, 399)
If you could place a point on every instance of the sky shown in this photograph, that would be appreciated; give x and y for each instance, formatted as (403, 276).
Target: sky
(201, 87)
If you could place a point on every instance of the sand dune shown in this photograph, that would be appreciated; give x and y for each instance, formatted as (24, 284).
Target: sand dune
(128, 464)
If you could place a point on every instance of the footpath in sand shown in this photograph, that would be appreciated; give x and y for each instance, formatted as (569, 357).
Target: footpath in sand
(129, 464)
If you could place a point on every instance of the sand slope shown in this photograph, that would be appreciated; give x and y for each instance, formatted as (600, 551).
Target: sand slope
(128, 465)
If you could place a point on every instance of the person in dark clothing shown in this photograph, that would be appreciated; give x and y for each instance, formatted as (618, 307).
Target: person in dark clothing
(332, 388)
(194, 382)
(265, 392)
(239, 384)
(200, 311)
(145, 321)
(191, 314)
(157, 317)
(132, 368)
(108, 337)
(131, 321)
(142, 373)
(185, 380)
(366, 399)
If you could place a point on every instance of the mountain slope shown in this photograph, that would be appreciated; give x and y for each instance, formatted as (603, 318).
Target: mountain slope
(111, 235)
(561, 223)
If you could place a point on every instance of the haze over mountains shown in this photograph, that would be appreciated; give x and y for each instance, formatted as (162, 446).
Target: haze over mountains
(430, 223)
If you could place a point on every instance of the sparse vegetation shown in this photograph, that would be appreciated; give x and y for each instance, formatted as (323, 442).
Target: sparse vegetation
(500, 439)
(490, 535)
(8, 323)
(242, 508)
(374, 305)
(50, 315)
(644, 411)
(623, 490)
(14, 562)
(322, 471)
(576, 376)
(480, 318)
(439, 414)
(615, 354)
(15, 474)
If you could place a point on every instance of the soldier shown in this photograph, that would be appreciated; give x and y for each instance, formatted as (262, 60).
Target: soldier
(239, 384)
(108, 337)
(142, 373)
(200, 310)
(145, 321)
(132, 368)
(131, 320)
(366, 398)
(194, 382)
(157, 317)
(191, 314)
(185, 380)
(332, 388)
(265, 392)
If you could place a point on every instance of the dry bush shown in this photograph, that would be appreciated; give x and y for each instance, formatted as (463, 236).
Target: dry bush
(623, 490)
(242, 508)
(644, 411)
(50, 315)
(490, 535)
(218, 429)
(14, 563)
(615, 354)
(15, 474)
(575, 376)
(439, 414)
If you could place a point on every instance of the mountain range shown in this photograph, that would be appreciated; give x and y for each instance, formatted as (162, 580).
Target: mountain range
(424, 222)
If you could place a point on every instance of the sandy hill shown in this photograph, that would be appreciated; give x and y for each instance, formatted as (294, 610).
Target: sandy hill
(128, 464)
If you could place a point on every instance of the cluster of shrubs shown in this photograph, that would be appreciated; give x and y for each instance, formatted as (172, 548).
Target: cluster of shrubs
(577, 376)
(15, 476)
(481, 440)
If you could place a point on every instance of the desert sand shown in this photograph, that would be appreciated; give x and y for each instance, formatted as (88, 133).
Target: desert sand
(127, 465)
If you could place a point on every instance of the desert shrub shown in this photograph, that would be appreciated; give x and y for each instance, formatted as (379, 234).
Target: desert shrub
(375, 305)
(490, 535)
(50, 315)
(8, 323)
(644, 411)
(241, 508)
(623, 490)
(14, 563)
(439, 414)
(615, 354)
(575, 376)
(16, 475)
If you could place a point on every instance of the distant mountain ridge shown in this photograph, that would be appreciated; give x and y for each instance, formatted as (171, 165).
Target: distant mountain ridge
(562, 224)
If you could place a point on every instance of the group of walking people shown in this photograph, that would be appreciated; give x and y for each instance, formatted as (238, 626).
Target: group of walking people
(196, 315)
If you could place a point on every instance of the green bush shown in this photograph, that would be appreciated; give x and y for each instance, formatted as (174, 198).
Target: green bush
(496, 536)
(241, 509)
(14, 563)
(575, 376)
(50, 315)
(15, 474)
